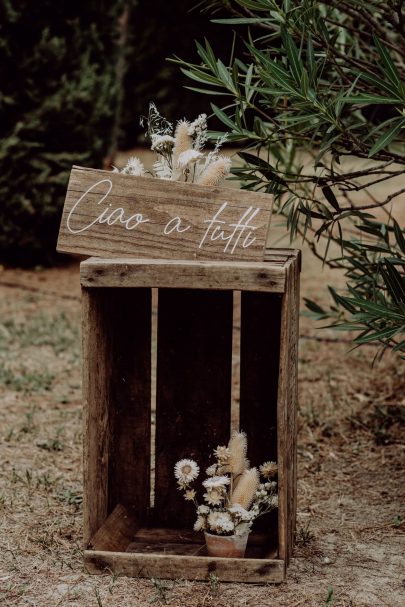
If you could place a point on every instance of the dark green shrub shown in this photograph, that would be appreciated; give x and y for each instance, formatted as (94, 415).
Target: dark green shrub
(58, 98)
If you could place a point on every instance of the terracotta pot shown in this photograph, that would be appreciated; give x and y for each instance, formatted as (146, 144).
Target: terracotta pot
(230, 546)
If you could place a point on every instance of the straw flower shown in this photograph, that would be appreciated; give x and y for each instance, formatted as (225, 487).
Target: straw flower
(216, 171)
(162, 144)
(220, 522)
(189, 495)
(245, 492)
(211, 470)
(186, 470)
(268, 469)
(200, 523)
(203, 509)
(222, 454)
(214, 496)
(216, 482)
(134, 167)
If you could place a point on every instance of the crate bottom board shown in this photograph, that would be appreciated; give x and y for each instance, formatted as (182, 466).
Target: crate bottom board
(172, 565)
(121, 546)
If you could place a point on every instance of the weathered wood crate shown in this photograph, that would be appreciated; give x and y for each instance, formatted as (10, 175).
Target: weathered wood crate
(136, 522)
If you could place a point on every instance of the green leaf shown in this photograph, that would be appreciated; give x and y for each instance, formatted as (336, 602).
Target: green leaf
(377, 82)
(387, 137)
(225, 76)
(207, 91)
(314, 307)
(399, 236)
(395, 282)
(223, 117)
(371, 98)
(330, 197)
(377, 335)
(387, 62)
(292, 55)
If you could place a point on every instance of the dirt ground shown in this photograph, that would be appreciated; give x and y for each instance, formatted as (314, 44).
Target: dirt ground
(351, 518)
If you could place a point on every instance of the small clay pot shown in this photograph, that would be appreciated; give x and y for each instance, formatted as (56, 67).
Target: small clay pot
(229, 546)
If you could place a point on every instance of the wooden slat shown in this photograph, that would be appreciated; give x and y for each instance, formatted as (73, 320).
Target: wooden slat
(193, 389)
(188, 567)
(116, 394)
(96, 430)
(259, 365)
(113, 215)
(163, 535)
(116, 532)
(129, 322)
(292, 404)
(287, 403)
(263, 276)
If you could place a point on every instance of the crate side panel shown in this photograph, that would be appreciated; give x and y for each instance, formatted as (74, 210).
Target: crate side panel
(259, 368)
(96, 414)
(193, 392)
(130, 392)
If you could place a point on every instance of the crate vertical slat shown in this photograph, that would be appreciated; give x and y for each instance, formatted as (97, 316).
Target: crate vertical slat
(193, 389)
(117, 387)
(125, 531)
(287, 401)
(259, 365)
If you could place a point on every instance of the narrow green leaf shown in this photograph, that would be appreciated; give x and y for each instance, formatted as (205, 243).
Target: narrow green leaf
(330, 197)
(223, 117)
(369, 98)
(399, 236)
(387, 137)
(387, 62)
(376, 336)
(292, 55)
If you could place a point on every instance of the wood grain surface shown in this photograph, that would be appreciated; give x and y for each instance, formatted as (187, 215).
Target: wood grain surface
(114, 215)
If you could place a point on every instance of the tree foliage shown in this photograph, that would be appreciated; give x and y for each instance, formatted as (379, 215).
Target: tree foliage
(58, 95)
(317, 97)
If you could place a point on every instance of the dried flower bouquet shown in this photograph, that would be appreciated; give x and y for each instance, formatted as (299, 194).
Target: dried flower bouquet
(234, 493)
(180, 152)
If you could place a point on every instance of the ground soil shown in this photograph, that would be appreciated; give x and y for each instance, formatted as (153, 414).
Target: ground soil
(351, 531)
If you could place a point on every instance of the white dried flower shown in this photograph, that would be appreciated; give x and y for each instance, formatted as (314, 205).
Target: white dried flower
(189, 495)
(243, 528)
(214, 497)
(162, 144)
(240, 512)
(220, 522)
(274, 501)
(268, 469)
(186, 470)
(188, 157)
(211, 470)
(198, 125)
(203, 509)
(216, 482)
(200, 523)
(222, 454)
(162, 168)
(134, 167)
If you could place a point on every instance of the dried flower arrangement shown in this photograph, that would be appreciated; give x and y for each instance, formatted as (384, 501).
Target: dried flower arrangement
(234, 494)
(180, 152)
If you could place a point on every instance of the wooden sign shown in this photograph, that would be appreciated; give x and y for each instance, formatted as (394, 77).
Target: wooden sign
(114, 215)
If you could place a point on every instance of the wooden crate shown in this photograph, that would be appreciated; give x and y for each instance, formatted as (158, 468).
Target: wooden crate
(126, 529)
